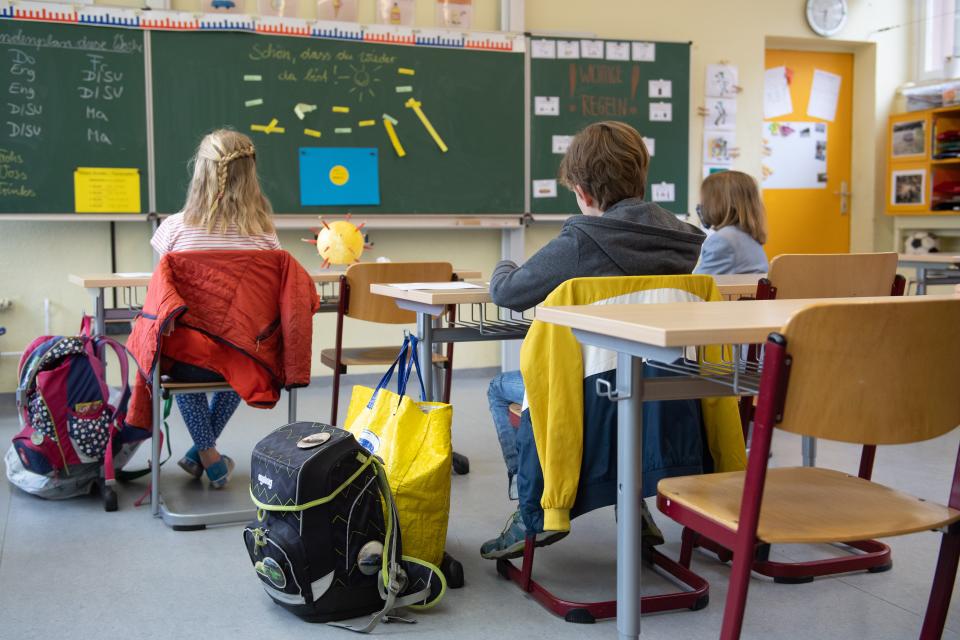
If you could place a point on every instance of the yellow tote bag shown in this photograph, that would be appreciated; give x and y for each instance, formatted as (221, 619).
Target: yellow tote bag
(413, 439)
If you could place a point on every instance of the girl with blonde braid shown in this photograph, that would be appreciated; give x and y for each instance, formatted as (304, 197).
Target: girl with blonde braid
(225, 210)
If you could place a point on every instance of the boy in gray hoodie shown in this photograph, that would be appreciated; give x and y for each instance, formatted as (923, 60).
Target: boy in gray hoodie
(618, 235)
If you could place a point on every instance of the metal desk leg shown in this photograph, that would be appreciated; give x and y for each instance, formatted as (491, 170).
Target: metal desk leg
(921, 281)
(809, 451)
(292, 406)
(425, 329)
(629, 493)
(99, 315)
(155, 444)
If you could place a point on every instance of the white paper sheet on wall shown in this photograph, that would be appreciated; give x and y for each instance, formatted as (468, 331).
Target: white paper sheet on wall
(722, 114)
(663, 192)
(824, 94)
(644, 51)
(718, 147)
(651, 145)
(560, 144)
(618, 51)
(545, 188)
(591, 49)
(543, 48)
(661, 112)
(795, 155)
(660, 88)
(568, 49)
(722, 80)
(546, 105)
(776, 93)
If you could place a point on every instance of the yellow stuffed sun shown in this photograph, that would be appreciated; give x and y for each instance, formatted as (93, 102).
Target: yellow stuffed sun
(339, 242)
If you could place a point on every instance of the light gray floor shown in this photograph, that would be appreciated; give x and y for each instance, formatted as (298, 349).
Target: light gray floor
(69, 570)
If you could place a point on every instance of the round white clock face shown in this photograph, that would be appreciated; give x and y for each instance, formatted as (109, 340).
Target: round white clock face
(826, 17)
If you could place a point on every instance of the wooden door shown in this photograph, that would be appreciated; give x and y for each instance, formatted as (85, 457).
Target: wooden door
(806, 210)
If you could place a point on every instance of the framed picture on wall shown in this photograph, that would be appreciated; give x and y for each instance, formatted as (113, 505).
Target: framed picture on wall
(908, 188)
(908, 139)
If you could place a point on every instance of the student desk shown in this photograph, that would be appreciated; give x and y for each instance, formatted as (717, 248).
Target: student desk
(932, 268)
(660, 333)
(96, 284)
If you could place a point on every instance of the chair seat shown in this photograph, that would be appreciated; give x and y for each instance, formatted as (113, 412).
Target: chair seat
(806, 505)
(367, 355)
(193, 386)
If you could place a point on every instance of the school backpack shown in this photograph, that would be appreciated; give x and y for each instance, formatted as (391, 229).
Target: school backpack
(326, 543)
(73, 437)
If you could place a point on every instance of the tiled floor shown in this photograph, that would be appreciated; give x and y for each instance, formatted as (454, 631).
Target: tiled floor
(69, 570)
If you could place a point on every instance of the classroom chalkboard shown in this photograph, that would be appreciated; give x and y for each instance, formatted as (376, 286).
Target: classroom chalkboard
(578, 82)
(73, 97)
(350, 94)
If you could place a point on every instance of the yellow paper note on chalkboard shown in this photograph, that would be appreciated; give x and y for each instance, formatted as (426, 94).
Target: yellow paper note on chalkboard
(106, 190)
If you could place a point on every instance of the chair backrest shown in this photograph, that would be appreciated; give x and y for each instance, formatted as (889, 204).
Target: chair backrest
(833, 275)
(364, 305)
(874, 373)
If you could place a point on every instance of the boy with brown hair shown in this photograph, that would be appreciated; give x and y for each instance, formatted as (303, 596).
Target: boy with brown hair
(619, 234)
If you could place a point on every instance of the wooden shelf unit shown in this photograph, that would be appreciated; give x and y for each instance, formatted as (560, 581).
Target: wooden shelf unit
(912, 169)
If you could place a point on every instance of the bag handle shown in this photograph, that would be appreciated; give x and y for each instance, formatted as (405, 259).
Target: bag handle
(385, 380)
(412, 363)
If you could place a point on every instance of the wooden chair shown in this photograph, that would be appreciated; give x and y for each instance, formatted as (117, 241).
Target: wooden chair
(821, 276)
(358, 303)
(873, 374)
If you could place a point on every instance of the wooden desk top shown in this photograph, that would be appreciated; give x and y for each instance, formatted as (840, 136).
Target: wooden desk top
(685, 324)
(107, 280)
(729, 285)
(941, 259)
(435, 297)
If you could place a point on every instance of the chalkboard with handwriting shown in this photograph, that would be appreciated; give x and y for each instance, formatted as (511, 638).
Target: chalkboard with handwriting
(73, 125)
(577, 82)
(346, 126)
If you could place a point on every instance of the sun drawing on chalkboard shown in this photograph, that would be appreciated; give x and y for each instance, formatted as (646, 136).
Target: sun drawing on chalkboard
(363, 80)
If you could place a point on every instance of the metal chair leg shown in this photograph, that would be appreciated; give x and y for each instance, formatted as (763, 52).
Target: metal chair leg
(942, 588)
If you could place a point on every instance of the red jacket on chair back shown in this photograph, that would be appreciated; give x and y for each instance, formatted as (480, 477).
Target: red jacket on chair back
(247, 315)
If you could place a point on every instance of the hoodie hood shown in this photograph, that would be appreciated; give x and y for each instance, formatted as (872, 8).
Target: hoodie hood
(642, 237)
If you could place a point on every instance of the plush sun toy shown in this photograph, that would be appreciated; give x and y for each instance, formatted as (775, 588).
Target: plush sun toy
(339, 242)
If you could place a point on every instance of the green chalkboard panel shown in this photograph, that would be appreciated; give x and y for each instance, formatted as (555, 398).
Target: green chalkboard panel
(73, 97)
(473, 99)
(582, 82)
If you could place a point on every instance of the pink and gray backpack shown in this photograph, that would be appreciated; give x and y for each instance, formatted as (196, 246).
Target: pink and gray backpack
(74, 438)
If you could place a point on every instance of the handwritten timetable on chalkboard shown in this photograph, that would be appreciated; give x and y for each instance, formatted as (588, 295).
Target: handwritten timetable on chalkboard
(74, 100)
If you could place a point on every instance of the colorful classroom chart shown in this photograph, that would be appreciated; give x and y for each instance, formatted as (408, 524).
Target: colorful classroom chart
(339, 176)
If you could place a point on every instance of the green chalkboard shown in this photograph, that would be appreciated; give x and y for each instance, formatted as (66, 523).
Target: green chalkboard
(473, 99)
(73, 97)
(586, 81)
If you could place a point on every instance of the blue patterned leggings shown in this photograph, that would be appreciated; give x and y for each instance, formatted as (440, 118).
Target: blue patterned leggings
(205, 422)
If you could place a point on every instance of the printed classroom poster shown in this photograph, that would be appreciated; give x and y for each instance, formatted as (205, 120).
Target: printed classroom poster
(909, 139)
(795, 155)
(339, 10)
(454, 14)
(395, 12)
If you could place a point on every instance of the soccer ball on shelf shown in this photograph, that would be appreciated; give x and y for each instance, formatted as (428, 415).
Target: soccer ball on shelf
(921, 242)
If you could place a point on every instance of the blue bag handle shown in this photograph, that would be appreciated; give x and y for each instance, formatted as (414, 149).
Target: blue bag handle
(385, 380)
(412, 363)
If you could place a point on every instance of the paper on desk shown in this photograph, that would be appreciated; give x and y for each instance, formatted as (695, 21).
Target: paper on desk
(134, 274)
(435, 286)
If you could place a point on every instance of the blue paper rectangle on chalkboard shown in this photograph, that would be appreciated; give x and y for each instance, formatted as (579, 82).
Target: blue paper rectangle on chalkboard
(339, 176)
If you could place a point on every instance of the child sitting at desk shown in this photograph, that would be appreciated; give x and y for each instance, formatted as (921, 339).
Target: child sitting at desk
(225, 210)
(731, 205)
(619, 234)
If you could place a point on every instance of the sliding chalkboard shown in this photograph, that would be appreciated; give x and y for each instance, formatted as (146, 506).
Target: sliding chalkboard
(350, 95)
(73, 97)
(578, 82)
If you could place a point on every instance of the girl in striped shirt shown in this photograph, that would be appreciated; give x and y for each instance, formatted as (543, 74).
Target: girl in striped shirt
(225, 210)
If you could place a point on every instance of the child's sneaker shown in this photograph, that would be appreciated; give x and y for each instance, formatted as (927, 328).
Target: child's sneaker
(190, 462)
(220, 471)
(510, 543)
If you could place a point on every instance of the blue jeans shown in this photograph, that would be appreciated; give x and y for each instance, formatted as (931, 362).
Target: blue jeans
(505, 389)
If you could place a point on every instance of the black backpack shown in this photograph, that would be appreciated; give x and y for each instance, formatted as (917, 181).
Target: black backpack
(326, 543)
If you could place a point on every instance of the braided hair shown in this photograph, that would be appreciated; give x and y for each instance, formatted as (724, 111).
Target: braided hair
(225, 191)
